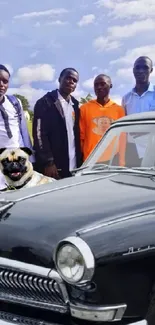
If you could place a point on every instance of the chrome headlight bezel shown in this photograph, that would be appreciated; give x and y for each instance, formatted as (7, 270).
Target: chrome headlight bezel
(89, 262)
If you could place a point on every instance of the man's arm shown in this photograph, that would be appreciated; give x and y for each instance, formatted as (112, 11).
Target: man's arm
(122, 142)
(82, 127)
(42, 147)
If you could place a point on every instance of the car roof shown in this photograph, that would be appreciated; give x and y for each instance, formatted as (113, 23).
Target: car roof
(146, 116)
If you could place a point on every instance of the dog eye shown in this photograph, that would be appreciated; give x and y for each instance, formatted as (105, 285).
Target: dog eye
(5, 161)
(22, 159)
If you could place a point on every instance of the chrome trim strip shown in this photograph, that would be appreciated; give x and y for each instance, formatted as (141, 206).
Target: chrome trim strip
(14, 265)
(24, 267)
(87, 255)
(34, 303)
(111, 222)
(98, 313)
(7, 205)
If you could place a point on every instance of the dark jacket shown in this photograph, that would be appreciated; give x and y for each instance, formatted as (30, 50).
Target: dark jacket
(50, 134)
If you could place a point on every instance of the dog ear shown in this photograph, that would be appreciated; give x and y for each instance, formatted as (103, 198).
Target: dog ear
(27, 150)
(1, 150)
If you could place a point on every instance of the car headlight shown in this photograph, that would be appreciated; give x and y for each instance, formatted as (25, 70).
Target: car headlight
(74, 260)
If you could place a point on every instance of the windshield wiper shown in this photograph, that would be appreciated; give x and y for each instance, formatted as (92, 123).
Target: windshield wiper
(79, 168)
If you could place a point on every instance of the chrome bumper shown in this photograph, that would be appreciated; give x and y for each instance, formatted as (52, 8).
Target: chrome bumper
(98, 313)
(87, 313)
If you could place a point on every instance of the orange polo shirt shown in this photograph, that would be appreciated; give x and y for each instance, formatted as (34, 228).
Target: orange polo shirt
(95, 119)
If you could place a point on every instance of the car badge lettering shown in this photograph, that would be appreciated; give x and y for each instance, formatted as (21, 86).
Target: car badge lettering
(133, 250)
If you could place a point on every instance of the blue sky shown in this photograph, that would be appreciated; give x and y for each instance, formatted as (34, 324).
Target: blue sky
(40, 38)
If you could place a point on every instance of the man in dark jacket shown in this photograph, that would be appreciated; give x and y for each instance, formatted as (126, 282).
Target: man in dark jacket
(56, 129)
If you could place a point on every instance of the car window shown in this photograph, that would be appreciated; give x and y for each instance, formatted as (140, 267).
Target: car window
(136, 143)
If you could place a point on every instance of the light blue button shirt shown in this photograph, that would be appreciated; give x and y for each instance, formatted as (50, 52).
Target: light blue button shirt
(133, 103)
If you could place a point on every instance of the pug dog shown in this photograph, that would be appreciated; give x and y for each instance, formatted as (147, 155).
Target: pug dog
(18, 170)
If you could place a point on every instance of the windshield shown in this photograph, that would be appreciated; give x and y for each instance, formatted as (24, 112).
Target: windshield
(127, 146)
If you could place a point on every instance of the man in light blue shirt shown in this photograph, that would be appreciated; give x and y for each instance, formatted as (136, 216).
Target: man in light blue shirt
(140, 99)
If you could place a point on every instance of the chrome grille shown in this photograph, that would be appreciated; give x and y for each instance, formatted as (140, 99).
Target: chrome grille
(32, 290)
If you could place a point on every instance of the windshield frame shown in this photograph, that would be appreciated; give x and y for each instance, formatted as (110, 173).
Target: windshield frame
(87, 165)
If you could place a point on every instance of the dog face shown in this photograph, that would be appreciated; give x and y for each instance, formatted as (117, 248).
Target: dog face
(15, 165)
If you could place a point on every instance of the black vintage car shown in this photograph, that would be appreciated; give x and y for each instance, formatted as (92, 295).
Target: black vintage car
(82, 250)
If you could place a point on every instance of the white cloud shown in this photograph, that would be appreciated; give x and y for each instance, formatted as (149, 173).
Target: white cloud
(128, 9)
(34, 14)
(130, 30)
(30, 93)
(125, 73)
(118, 32)
(105, 3)
(36, 72)
(132, 55)
(57, 22)
(103, 44)
(86, 20)
(116, 98)
(89, 83)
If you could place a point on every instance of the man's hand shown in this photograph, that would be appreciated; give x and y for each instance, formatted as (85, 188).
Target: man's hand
(51, 171)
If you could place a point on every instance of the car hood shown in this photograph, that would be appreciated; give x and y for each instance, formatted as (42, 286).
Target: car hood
(40, 217)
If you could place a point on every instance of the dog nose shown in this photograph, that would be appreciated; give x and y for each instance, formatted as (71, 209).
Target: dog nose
(14, 164)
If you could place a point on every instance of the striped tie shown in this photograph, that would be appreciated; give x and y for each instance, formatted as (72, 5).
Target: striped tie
(6, 121)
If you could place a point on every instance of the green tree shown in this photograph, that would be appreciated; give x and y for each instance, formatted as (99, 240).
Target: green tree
(86, 99)
(24, 102)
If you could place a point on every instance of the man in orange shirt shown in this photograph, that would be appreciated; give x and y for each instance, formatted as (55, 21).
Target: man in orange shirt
(95, 118)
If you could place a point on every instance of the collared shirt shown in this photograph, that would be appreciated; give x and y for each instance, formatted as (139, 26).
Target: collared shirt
(69, 118)
(16, 140)
(134, 103)
(20, 136)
